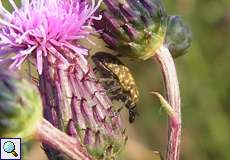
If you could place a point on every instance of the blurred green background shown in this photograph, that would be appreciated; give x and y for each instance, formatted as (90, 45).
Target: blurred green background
(204, 75)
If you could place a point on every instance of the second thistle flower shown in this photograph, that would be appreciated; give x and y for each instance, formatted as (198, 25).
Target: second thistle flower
(132, 27)
(137, 28)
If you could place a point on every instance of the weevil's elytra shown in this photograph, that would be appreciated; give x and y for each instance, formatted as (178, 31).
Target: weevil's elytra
(117, 80)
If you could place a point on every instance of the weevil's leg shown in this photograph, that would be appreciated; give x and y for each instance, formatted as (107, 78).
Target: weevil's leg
(114, 89)
(115, 94)
(102, 80)
(87, 77)
(95, 70)
(119, 109)
(121, 97)
(125, 98)
(103, 91)
(34, 79)
(94, 79)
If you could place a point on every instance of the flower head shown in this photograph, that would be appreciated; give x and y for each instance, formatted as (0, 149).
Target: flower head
(178, 37)
(20, 106)
(138, 28)
(42, 27)
(133, 28)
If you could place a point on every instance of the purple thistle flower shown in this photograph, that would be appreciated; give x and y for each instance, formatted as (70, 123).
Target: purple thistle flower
(39, 27)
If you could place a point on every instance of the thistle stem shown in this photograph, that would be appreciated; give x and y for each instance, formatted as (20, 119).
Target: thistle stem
(164, 58)
(57, 139)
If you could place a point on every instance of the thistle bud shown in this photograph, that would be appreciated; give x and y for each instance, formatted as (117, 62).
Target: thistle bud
(133, 28)
(137, 28)
(20, 106)
(178, 36)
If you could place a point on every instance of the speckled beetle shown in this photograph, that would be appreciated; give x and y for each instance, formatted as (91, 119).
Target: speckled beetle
(117, 80)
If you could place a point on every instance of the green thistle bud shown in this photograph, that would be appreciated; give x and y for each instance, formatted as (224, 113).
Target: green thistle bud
(137, 28)
(178, 36)
(20, 106)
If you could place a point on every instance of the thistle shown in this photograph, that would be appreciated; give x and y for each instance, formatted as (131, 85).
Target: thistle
(38, 29)
(20, 106)
(47, 33)
(138, 28)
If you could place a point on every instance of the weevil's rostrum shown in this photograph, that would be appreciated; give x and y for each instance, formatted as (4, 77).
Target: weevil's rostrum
(117, 80)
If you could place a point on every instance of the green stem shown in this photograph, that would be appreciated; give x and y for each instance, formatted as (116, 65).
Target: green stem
(63, 143)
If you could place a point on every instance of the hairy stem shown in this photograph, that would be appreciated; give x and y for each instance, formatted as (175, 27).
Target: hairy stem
(57, 139)
(168, 69)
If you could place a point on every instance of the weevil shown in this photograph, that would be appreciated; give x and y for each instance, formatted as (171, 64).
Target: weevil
(117, 79)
